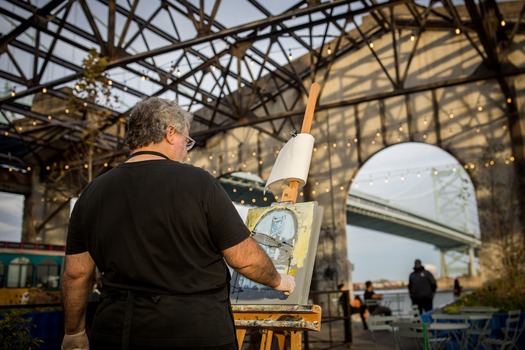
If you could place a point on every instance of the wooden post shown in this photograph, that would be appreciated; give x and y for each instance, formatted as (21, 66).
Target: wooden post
(292, 189)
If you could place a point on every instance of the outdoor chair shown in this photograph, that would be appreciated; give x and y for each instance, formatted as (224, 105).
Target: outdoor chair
(418, 334)
(380, 324)
(511, 332)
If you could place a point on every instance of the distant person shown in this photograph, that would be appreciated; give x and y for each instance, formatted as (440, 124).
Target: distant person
(458, 289)
(421, 287)
(375, 309)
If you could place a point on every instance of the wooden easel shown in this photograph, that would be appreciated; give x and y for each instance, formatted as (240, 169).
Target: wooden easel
(291, 190)
(285, 322)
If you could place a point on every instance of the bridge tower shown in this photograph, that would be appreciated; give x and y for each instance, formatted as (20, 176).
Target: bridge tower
(454, 205)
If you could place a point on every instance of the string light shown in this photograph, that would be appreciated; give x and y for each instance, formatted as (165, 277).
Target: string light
(371, 44)
(234, 155)
(412, 36)
(503, 23)
(458, 31)
(290, 57)
(44, 90)
(329, 51)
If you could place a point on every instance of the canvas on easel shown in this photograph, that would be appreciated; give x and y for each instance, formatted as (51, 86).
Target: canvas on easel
(289, 234)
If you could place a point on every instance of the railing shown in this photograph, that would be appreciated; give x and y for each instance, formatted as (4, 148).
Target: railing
(336, 313)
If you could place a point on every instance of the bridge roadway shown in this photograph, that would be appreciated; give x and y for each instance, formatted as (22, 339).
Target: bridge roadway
(369, 212)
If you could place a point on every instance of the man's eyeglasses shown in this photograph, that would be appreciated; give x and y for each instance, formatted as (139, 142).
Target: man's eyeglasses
(189, 142)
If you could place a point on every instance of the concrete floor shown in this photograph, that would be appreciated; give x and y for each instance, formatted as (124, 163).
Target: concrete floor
(332, 336)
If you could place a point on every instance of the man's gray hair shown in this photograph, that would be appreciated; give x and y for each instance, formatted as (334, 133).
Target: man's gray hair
(150, 118)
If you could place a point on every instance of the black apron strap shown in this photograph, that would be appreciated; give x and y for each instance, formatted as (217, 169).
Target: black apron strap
(152, 153)
(128, 315)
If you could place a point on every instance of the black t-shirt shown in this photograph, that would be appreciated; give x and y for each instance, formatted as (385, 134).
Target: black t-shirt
(159, 227)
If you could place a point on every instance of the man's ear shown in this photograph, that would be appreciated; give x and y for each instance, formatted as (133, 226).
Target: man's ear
(170, 132)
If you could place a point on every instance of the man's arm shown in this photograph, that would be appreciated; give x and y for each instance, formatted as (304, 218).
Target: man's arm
(250, 260)
(377, 296)
(76, 286)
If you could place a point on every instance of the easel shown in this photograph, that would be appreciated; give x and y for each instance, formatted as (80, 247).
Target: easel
(285, 322)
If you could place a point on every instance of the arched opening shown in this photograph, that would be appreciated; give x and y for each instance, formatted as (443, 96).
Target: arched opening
(423, 185)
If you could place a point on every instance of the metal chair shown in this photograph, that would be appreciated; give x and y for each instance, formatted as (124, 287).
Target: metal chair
(380, 324)
(511, 333)
(419, 334)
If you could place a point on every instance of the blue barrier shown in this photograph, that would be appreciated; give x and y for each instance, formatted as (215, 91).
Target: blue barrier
(48, 327)
(44, 325)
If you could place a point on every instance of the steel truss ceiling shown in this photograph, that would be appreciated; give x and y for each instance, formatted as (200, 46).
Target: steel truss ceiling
(225, 61)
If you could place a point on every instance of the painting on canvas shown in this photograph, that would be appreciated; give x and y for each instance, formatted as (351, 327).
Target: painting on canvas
(289, 234)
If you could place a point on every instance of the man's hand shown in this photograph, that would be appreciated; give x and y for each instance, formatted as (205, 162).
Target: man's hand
(287, 284)
(77, 341)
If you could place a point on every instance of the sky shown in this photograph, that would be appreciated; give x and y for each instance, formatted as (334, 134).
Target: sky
(402, 174)
(11, 206)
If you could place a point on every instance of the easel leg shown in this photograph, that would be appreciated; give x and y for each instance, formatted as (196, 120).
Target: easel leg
(266, 341)
(281, 340)
(296, 340)
(241, 333)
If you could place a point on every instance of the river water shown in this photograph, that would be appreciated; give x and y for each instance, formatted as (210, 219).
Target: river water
(399, 301)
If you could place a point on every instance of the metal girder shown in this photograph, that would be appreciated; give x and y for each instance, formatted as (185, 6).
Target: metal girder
(230, 74)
